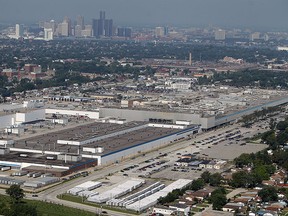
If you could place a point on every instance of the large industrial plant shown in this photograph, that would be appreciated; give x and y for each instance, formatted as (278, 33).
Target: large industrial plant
(62, 141)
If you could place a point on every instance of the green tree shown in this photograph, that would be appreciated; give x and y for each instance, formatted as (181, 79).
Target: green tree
(197, 184)
(270, 138)
(206, 176)
(215, 179)
(16, 193)
(282, 125)
(241, 179)
(243, 160)
(261, 172)
(268, 194)
(171, 196)
(272, 124)
(218, 198)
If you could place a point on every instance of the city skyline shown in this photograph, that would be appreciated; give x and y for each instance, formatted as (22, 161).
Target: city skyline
(259, 14)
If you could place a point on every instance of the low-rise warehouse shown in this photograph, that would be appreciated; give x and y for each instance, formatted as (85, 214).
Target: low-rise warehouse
(151, 200)
(92, 144)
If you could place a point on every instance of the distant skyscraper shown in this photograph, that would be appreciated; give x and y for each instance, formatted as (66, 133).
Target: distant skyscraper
(108, 28)
(66, 29)
(255, 36)
(220, 34)
(80, 22)
(266, 37)
(102, 27)
(128, 32)
(159, 32)
(102, 15)
(78, 31)
(50, 25)
(95, 27)
(87, 32)
(190, 59)
(166, 30)
(19, 30)
(124, 32)
(48, 34)
(53, 25)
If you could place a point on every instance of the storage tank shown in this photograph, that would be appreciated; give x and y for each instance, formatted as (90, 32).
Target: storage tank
(36, 175)
(53, 157)
(23, 155)
(5, 168)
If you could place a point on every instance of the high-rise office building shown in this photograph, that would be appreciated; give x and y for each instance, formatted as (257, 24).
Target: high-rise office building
(48, 34)
(50, 25)
(124, 32)
(255, 36)
(166, 30)
(66, 29)
(108, 28)
(102, 15)
(266, 37)
(102, 27)
(19, 30)
(80, 22)
(159, 32)
(87, 32)
(95, 27)
(78, 31)
(220, 34)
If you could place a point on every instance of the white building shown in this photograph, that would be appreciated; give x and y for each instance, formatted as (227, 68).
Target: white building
(282, 48)
(159, 32)
(220, 34)
(48, 34)
(19, 30)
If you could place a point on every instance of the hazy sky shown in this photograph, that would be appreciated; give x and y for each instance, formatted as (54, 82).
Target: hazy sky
(262, 14)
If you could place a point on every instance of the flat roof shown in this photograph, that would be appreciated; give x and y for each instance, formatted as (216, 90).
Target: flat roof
(80, 133)
(40, 159)
(113, 144)
(130, 139)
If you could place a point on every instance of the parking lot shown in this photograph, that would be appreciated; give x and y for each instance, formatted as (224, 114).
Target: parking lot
(225, 145)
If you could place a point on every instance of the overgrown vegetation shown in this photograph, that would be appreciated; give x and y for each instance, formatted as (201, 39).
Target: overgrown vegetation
(218, 198)
(250, 78)
(248, 120)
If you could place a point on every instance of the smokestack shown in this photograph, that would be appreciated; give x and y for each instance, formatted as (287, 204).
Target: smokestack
(190, 58)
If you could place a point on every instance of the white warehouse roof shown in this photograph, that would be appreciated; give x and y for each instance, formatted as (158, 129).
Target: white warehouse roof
(152, 199)
(117, 191)
(89, 185)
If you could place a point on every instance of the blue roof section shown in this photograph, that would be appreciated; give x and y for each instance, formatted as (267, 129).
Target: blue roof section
(9, 164)
(143, 143)
(195, 163)
(83, 163)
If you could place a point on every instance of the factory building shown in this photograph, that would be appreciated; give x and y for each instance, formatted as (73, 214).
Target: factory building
(116, 134)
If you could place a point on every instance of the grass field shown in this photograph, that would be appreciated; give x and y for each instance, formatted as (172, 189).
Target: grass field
(78, 199)
(49, 209)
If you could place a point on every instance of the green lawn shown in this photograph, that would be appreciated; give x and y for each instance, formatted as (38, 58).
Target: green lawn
(49, 209)
(202, 205)
(194, 209)
(78, 199)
